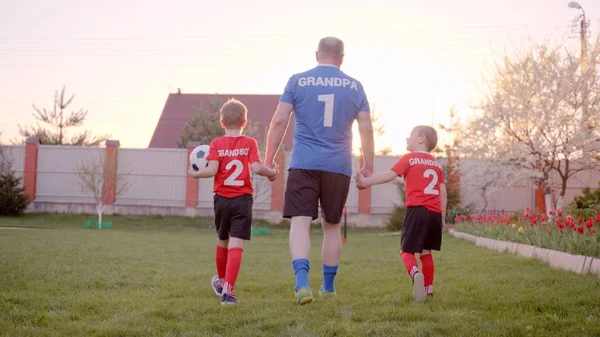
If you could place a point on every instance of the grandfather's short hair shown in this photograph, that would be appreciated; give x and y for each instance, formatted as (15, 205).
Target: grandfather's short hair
(331, 46)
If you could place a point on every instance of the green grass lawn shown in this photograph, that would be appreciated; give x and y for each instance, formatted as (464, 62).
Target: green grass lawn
(149, 276)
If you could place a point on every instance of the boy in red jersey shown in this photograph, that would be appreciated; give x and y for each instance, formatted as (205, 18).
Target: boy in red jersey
(426, 201)
(230, 160)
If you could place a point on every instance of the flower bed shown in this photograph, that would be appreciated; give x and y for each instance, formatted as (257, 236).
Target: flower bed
(560, 232)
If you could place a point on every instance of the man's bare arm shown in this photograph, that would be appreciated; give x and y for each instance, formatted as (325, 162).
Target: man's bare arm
(365, 127)
(277, 129)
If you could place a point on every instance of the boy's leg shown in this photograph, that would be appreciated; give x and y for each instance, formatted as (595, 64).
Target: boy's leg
(333, 194)
(222, 227)
(412, 238)
(301, 206)
(427, 266)
(241, 229)
(221, 261)
(433, 241)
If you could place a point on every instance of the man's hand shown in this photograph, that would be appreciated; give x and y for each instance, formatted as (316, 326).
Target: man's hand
(275, 172)
(273, 166)
(360, 175)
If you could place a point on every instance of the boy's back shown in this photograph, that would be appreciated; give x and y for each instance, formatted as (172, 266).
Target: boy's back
(235, 155)
(422, 178)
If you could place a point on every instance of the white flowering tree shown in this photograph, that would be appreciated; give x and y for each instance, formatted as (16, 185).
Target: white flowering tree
(540, 114)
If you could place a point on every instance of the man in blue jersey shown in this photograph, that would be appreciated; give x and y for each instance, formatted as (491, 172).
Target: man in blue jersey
(325, 102)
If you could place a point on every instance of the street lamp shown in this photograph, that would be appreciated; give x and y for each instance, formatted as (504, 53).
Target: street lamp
(583, 28)
(575, 5)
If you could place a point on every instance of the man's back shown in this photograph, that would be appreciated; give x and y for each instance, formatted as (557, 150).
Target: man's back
(326, 102)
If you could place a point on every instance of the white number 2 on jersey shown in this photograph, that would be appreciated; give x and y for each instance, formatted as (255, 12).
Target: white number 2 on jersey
(430, 189)
(328, 99)
(232, 179)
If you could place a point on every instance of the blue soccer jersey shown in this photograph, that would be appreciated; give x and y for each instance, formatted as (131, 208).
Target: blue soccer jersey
(326, 102)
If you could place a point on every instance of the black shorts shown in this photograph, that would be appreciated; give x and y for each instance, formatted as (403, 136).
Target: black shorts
(422, 229)
(233, 217)
(305, 188)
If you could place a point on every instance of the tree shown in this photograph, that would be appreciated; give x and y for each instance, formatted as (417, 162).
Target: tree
(5, 160)
(540, 115)
(204, 126)
(452, 168)
(487, 177)
(91, 178)
(379, 129)
(12, 200)
(61, 121)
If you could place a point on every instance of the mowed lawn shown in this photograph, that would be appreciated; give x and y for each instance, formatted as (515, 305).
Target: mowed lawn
(150, 277)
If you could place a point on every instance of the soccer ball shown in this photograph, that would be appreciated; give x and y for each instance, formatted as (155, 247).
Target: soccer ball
(198, 157)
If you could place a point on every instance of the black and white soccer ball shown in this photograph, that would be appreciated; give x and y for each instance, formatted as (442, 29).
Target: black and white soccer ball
(198, 157)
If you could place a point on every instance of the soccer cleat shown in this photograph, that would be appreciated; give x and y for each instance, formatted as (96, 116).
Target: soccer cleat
(419, 294)
(304, 296)
(326, 294)
(228, 299)
(214, 283)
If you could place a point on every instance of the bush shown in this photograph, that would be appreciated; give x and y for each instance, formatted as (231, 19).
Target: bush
(396, 220)
(12, 200)
(584, 213)
(588, 199)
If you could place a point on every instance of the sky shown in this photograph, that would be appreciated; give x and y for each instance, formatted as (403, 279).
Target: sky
(121, 59)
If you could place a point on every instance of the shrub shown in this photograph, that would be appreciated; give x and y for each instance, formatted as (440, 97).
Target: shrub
(12, 200)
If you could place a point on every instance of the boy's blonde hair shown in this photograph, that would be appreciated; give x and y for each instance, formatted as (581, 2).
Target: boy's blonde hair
(233, 114)
(431, 137)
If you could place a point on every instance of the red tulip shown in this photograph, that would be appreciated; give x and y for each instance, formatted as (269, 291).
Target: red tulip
(589, 223)
(549, 232)
(598, 218)
(580, 229)
(533, 221)
(593, 231)
(580, 220)
(551, 213)
(558, 212)
(560, 224)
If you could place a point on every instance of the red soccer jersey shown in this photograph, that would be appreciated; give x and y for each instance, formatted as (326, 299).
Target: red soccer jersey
(235, 155)
(422, 178)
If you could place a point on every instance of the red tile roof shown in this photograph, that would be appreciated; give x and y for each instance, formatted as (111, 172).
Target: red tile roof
(181, 108)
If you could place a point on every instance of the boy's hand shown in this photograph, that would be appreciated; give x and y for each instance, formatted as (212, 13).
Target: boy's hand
(360, 176)
(193, 173)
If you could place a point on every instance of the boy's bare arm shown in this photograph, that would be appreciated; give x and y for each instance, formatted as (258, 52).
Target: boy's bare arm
(376, 179)
(209, 171)
(444, 199)
(262, 170)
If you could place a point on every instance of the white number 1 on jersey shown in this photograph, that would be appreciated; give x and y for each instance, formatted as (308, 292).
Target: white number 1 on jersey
(328, 99)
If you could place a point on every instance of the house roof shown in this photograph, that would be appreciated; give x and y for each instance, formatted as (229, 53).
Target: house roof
(181, 108)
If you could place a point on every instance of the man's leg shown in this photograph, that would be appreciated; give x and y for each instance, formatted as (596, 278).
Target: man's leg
(301, 206)
(333, 195)
(331, 252)
(300, 250)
